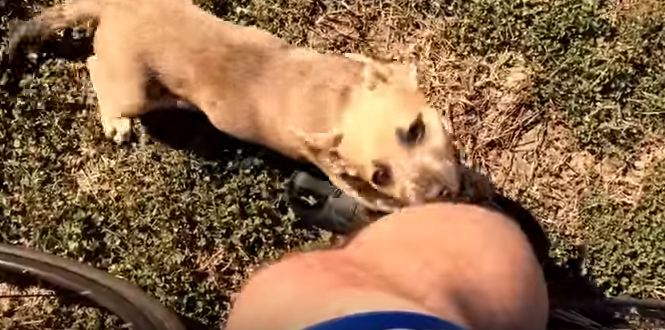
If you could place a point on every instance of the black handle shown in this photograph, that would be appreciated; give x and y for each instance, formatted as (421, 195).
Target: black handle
(333, 211)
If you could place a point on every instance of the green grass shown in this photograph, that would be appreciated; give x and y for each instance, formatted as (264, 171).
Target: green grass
(189, 230)
(627, 245)
(608, 78)
(147, 213)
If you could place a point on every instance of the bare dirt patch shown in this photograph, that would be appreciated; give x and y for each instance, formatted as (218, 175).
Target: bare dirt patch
(636, 8)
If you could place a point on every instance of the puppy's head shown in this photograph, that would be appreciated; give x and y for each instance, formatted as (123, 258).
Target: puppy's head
(391, 147)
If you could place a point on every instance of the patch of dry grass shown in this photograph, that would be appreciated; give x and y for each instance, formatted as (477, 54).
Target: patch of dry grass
(17, 306)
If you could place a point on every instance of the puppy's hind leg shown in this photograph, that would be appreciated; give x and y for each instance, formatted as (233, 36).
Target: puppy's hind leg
(120, 96)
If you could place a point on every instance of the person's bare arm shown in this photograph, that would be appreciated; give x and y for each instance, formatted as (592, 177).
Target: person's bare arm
(461, 263)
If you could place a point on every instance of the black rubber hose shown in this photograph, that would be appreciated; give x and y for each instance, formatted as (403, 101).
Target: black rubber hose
(339, 213)
(333, 210)
(135, 307)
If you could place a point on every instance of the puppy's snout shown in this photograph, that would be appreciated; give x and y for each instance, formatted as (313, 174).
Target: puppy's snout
(448, 183)
(440, 188)
(434, 178)
(434, 191)
(435, 185)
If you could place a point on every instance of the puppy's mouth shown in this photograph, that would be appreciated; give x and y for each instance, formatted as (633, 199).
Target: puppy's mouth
(441, 190)
(436, 191)
(448, 187)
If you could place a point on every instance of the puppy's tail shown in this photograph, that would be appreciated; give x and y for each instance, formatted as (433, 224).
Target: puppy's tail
(33, 32)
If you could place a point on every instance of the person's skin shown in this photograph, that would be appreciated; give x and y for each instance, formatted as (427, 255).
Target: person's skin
(462, 263)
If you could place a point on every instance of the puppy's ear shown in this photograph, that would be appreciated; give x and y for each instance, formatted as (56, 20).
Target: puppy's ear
(359, 58)
(408, 73)
(321, 150)
(413, 75)
(374, 72)
(319, 142)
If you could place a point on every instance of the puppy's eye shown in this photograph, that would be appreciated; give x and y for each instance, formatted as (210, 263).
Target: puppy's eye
(413, 134)
(382, 175)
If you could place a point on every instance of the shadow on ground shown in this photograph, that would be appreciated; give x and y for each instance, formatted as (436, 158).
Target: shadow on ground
(192, 132)
(576, 302)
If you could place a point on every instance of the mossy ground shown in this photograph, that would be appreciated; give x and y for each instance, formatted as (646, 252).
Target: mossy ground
(578, 139)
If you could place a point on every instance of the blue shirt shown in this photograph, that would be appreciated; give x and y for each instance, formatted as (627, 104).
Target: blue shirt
(386, 320)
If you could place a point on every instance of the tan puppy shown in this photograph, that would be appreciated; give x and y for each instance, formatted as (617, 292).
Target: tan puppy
(363, 122)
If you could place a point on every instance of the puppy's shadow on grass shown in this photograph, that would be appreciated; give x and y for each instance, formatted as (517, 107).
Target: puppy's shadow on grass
(190, 130)
(74, 45)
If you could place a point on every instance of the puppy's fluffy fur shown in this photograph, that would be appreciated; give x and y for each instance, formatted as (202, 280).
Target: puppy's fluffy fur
(364, 122)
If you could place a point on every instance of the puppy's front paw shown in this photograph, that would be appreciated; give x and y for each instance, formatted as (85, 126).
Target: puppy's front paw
(118, 129)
